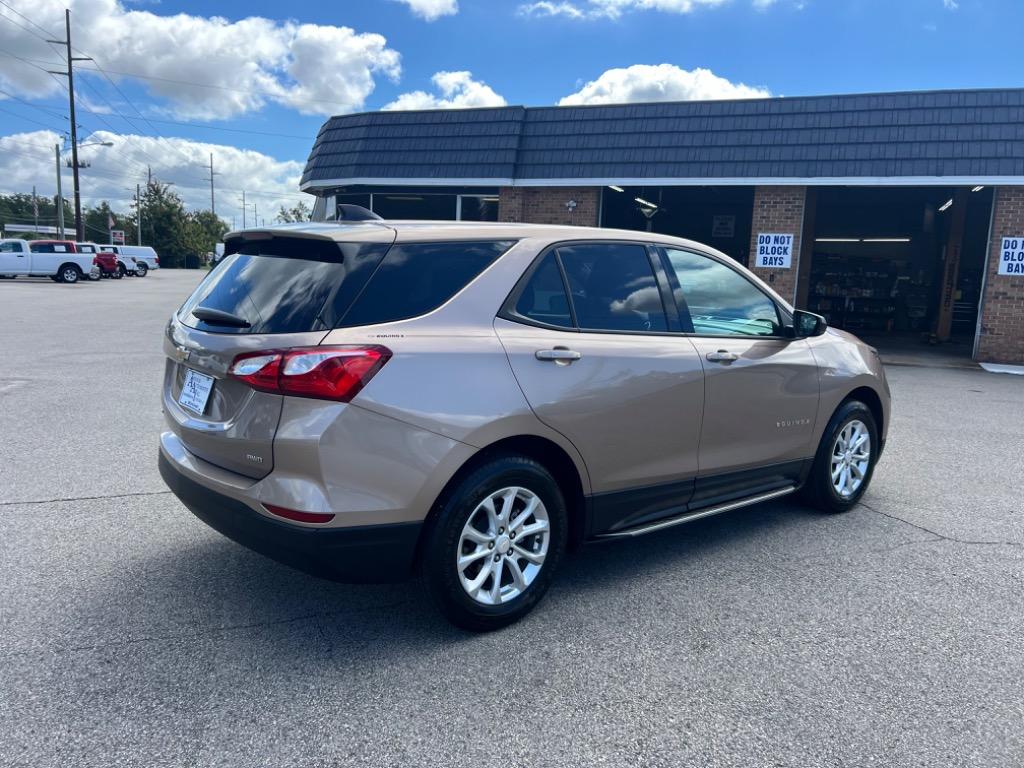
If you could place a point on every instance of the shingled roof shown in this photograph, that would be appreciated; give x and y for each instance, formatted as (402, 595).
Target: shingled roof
(916, 138)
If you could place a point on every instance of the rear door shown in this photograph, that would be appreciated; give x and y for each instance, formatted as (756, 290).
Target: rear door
(761, 388)
(13, 258)
(289, 292)
(604, 370)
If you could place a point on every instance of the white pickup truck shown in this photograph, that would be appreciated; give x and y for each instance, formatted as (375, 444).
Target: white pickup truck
(57, 260)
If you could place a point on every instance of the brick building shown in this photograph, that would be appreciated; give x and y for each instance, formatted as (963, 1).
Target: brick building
(897, 216)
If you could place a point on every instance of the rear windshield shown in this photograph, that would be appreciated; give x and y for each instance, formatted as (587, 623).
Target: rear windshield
(294, 286)
(284, 286)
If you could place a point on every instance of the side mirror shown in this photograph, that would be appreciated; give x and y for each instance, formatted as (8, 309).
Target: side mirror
(807, 324)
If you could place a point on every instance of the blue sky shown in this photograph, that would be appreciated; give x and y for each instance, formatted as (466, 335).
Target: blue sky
(202, 71)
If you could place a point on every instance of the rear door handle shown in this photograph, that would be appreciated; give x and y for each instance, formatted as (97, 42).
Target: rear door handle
(558, 355)
(722, 356)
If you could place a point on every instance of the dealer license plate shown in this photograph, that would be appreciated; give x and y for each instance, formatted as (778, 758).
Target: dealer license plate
(195, 391)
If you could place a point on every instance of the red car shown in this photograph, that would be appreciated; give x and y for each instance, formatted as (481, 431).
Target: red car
(106, 260)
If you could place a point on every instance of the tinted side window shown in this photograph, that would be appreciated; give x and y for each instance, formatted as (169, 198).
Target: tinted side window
(415, 278)
(721, 301)
(10, 248)
(613, 287)
(41, 248)
(543, 300)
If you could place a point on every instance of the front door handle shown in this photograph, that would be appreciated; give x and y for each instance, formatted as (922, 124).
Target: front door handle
(722, 356)
(562, 355)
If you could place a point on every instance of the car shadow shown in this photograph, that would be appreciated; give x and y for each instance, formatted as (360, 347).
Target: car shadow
(217, 588)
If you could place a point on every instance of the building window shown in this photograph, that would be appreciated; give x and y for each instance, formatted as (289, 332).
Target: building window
(478, 208)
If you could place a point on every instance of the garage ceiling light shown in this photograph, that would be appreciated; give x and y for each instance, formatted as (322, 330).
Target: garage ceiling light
(977, 189)
(862, 240)
(946, 205)
(617, 189)
(646, 203)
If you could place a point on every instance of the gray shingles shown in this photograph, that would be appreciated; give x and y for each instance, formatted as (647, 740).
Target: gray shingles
(899, 135)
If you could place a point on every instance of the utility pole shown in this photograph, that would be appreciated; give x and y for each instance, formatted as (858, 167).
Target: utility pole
(35, 208)
(213, 206)
(138, 214)
(149, 175)
(244, 209)
(70, 74)
(255, 216)
(60, 196)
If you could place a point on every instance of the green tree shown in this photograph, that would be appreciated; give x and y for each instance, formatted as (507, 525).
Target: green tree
(298, 212)
(204, 229)
(96, 220)
(19, 209)
(165, 224)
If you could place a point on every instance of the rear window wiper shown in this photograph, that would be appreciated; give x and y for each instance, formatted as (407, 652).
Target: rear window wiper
(220, 317)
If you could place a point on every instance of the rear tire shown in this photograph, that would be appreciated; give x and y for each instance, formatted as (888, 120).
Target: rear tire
(141, 269)
(69, 273)
(845, 461)
(97, 275)
(472, 541)
(121, 271)
(118, 273)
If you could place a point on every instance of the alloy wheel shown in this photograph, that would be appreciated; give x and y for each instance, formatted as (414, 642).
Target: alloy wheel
(503, 545)
(851, 457)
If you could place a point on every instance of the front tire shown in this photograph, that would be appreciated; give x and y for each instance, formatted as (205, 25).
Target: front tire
(491, 552)
(845, 461)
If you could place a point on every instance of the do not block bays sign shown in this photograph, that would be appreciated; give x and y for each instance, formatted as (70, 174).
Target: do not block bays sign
(774, 251)
(1011, 256)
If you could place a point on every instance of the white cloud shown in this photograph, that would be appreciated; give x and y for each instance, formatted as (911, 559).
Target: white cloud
(26, 159)
(950, 5)
(548, 8)
(458, 90)
(204, 67)
(431, 10)
(660, 82)
(613, 9)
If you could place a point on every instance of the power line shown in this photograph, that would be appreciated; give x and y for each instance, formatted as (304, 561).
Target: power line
(30, 120)
(26, 18)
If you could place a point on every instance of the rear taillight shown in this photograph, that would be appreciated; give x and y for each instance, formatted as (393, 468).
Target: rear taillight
(156, 260)
(323, 373)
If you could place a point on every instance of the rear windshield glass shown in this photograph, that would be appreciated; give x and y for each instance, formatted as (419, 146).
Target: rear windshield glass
(416, 278)
(283, 287)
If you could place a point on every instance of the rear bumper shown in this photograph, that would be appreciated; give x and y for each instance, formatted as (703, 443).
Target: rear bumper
(361, 554)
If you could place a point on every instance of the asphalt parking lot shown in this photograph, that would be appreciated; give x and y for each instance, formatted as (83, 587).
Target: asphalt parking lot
(773, 636)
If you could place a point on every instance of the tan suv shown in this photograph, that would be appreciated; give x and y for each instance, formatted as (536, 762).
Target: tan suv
(364, 400)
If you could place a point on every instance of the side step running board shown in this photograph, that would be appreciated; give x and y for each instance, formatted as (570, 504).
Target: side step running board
(697, 515)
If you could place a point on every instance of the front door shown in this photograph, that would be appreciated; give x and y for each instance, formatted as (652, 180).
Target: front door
(602, 369)
(761, 388)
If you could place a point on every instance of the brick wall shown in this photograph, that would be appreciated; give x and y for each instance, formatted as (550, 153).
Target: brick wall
(1002, 308)
(779, 210)
(546, 205)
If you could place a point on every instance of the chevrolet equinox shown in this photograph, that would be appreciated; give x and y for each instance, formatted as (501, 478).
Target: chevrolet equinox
(364, 400)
